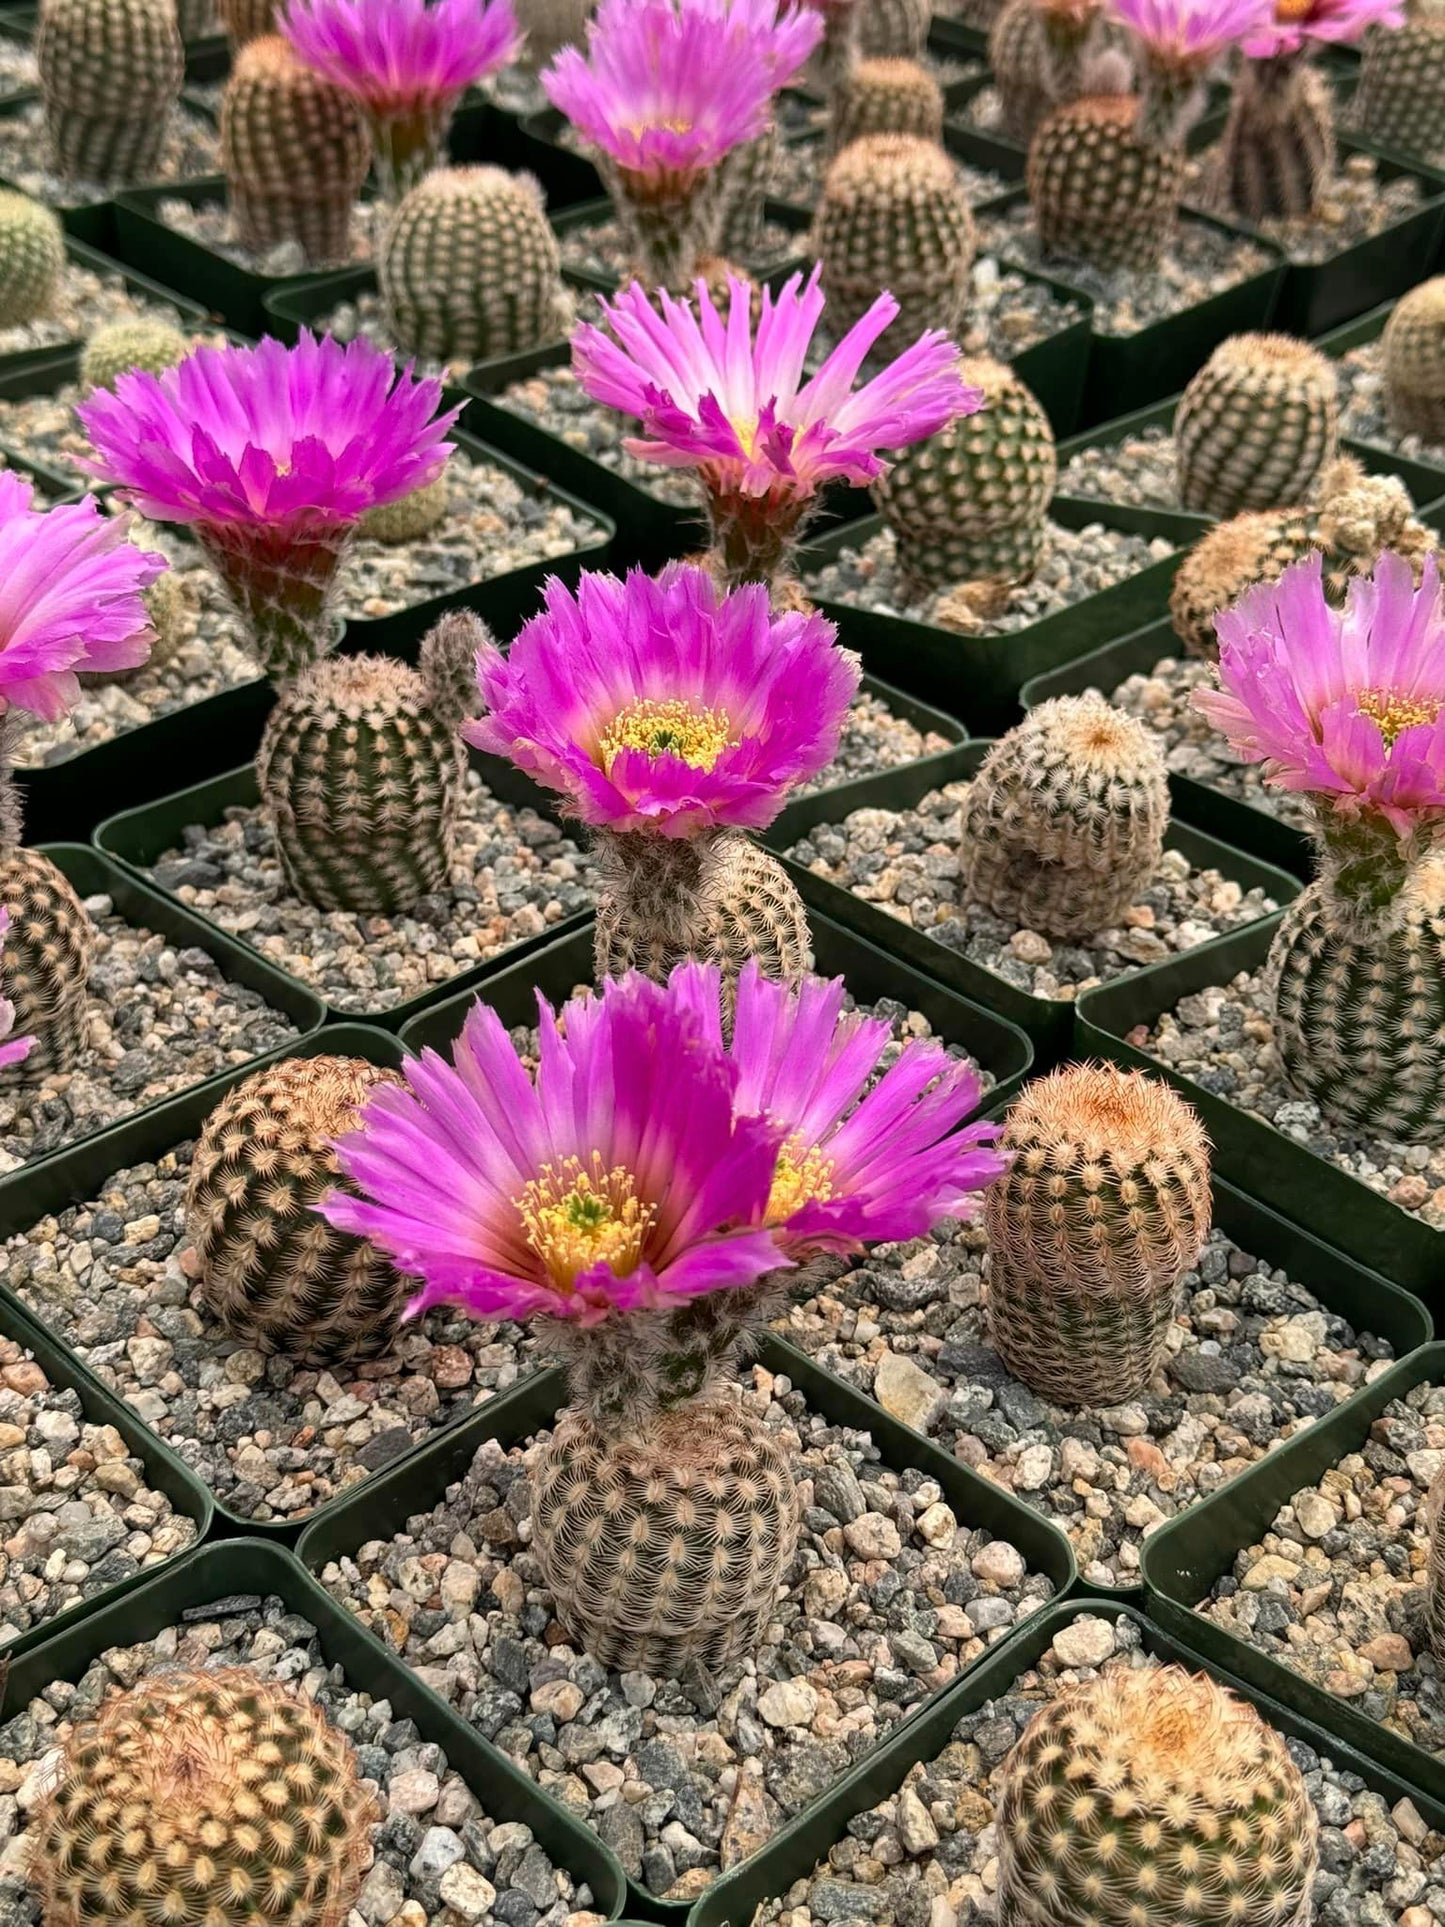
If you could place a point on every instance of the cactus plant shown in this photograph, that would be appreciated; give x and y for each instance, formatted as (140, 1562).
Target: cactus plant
(893, 29)
(1414, 351)
(32, 258)
(1037, 50)
(969, 505)
(1064, 823)
(1104, 1208)
(170, 604)
(1154, 1794)
(551, 25)
(1400, 101)
(749, 175)
(1256, 426)
(885, 97)
(195, 18)
(110, 76)
(122, 345)
(469, 267)
(409, 517)
(246, 20)
(279, 1278)
(1434, 1520)
(203, 1797)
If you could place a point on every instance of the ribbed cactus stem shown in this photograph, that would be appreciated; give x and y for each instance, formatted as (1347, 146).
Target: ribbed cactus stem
(669, 223)
(1435, 1570)
(48, 951)
(625, 1372)
(1400, 101)
(1414, 351)
(282, 587)
(110, 76)
(1278, 146)
(1256, 426)
(749, 174)
(247, 20)
(1102, 189)
(885, 97)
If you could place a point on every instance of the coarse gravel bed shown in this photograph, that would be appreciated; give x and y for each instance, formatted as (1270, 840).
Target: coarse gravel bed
(888, 1597)
(803, 164)
(160, 1019)
(76, 1512)
(212, 225)
(84, 300)
(438, 1859)
(43, 428)
(928, 1855)
(1140, 470)
(1364, 413)
(192, 150)
(600, 248)
(1354, 207)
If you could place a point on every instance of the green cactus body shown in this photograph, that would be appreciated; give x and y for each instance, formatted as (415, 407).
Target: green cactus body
(1154, 1798)
(1256, 426)
(551, 25)
(110, 76)
(45, 964)
(1104, 1208)
(885, 97)
(32, 258)
(469, 266)
(1414, 350)
(409, 517)
(893, 29)
(1400, 101)
(170, 606)
(295, 150)
(1101, 193)
(114, 350)
(750, 172)
(246, 20)
(1278, 148)
(970, 504)
(1065, 821)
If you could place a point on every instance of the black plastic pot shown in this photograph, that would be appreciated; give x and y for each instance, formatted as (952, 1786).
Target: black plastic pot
(1049, 1024)
(420, 1483)
(1355, 334)
(189, 313)
(1184, 1558)
(1338, 1208)
(252, 1568)
(793, 1853)
(163, 1470)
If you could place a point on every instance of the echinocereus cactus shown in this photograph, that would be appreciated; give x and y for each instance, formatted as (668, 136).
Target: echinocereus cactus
(1038, 51)
(1344, 707)
(672, 718)
(1278, 148)
(1400, 101)
(713, 393)
(1414, 350)
(1104, 1208)
(247, 20)
(1154, 1795)
(836, 53)
(203, 1797)
(73, 601)
(406, 64)
(110, 77)
(32, 258)
(893, 29)
(13, 1049)
(885, 97)
(665, 91)
(122, 345)
(634, 1195)
(1256, 426)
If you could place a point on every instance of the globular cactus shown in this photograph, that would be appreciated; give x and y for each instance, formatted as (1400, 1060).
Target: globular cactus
(45, 967)
(893, 29)
(195, 18)
(1278, 147)
(170, 605)
(469, 266)
(115, 349)
(361, 772)
(246, 20)
(1100, 191)
(32, 258)
(894, 215)
(1037, 51)
(1064, 823)
(295, 150)
(885, 97)
(409, 517)
(1414, 351)
(1256, 426)
(203, 1799)
(1400, 101)
(551, 25)
(970, 504)
(110, 77)
(1154, 1796)
(1103, 1209)
(750, 173)
(1435, 1572)
(276, 1274)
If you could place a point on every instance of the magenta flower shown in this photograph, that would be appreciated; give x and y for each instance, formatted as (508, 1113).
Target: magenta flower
(1191, 35)
(1293, 24)
(13, 1050)
(1344, 705)
(861, 1161)
(70, 598)
(272, 455)
(666, 705)
(618, 1179)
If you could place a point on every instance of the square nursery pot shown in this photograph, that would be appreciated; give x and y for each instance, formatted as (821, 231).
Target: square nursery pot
(1338, 1208)
(1428, 488)
(1184, 1559)
(1047, 1022)
(162, 1470)
(793, 1853)
(237, 1576)
(419, 1483)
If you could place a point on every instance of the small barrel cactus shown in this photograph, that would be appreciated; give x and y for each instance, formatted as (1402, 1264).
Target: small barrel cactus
(1101, 192)
(203, 1798)
(1400, 101)
(409, 517)
(893, 29)
(110, 76)
(361, 769)
(1154, 1796)
(551, 25)
(469, 266)
(885, 97)
(1037, 50)
(1256, 425)
(277, 1275)
(894, 215)
(1278, 147)
(32, 258)
(1414, 349)
(45, 967)
(119, 346)
(1065, 821)
(970, 504)
(295, 149)
(1104, 1208)
(246, 20)
(750, 173)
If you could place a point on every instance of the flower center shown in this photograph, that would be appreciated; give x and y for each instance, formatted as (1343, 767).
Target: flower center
(1288, 10)
(576, 1218)
(696, 737)
(803, 1175)
(1395, 714)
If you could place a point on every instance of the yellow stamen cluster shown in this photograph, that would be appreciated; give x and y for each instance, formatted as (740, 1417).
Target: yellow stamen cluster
(1395, 713)
(1286, 11)
(575, 1218)
(803, 1176)
(696, 736)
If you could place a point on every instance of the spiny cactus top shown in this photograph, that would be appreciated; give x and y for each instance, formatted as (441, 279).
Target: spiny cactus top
(271, 454)
(13, 1050)
(1296, 24)
(666, 705)
(715, 394)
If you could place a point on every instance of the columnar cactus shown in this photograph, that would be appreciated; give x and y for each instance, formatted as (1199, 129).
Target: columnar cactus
(893, 29)
(469, 267)
(119, 346)
(885, 97)
(1414, 349)
(110, 76)
(279, 1278)
(247, 20)
(1400, 101)
(203, 1797)
(1157, 1789)
(361, 772)
(295, 150)
(1037, 50)
(32, 258)
(1064, 823)
(551, 25)
(750, 173)
(1104, 1208)
(970, 504)
(1256, 426)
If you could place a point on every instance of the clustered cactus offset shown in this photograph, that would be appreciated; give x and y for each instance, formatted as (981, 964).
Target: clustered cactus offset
(1256, 426)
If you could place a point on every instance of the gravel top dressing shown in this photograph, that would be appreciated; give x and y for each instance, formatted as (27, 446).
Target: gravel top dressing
(83, 301)
(803, 164)
(1141, 470)
(192, 149)
(1356, 205)
(212, 224)
(365, 315)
